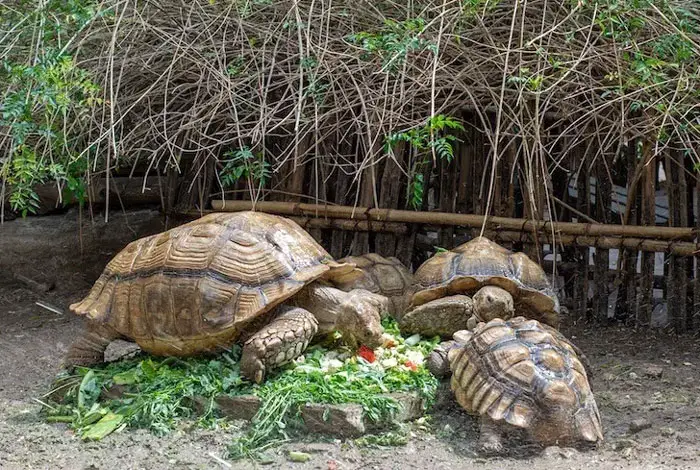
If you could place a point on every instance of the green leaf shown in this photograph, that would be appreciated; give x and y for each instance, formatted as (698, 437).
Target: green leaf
(105, 426)
(89, 390)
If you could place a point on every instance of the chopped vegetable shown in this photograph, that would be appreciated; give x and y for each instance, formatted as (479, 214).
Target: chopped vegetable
(367, 354)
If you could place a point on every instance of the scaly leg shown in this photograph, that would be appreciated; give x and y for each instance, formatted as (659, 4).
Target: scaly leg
(490, 437)
(442, 317)
(278, 342)
(89, 349)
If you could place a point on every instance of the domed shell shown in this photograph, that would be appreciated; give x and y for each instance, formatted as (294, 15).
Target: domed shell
(198, 286)
(481, 262)
(518, 371)
(384, 276)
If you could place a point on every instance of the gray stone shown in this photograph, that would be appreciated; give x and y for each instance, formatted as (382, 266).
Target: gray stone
(668, 432)
(653, 371)
(345, 420)
(238, 407)
(639, 425)
(120, 349)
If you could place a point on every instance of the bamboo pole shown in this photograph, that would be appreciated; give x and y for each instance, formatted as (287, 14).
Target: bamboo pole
(646, 297)
(467, 220)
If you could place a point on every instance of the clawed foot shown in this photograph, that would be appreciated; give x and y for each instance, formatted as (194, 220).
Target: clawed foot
(490, 445)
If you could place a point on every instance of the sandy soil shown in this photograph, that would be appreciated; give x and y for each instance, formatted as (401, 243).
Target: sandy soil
(33, 340)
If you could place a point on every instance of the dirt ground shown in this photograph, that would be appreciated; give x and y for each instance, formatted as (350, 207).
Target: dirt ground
(646, 380)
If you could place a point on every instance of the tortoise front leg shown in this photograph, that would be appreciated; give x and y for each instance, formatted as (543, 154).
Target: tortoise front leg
(442, 317)
(278, 342)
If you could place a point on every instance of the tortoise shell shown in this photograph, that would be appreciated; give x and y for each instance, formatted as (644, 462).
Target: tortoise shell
(481, 262)
(198, 286)
(384, 276)
(523, 372)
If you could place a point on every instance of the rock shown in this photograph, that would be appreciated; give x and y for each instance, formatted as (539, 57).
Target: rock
(411, 406)
(559, 452)
(633, 376)
(238, 407)
(120, 349)
(608, 377)
(652, 371)
(344, 420)
(668, 432)
(639, 425)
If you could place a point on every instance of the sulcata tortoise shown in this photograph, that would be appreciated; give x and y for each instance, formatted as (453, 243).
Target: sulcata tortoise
(226, 277)
(478, 281)
(524, 374)
(384, 276)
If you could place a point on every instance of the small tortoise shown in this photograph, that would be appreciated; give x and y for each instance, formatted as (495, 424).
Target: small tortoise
(226, 277)
(478, 281)
(384, 276)
(522, 373)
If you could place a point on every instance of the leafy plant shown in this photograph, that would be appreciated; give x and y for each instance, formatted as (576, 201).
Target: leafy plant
(243, 163)
(394, 42)
(435, 135)
(47, 98)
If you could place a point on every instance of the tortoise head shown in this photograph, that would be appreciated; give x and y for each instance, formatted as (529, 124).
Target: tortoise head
(359, 318)
(493, 302)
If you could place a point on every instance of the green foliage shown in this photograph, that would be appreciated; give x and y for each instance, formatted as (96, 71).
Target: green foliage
(394, 42)
(435, 134)
(416, 189)
(158, 393)
(47, 97)
(243, 163)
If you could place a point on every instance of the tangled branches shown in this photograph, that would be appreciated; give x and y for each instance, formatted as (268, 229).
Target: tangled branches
(186, 85)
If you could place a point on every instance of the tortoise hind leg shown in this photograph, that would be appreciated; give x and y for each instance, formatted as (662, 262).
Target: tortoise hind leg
(278, 342)
(90, 347)
(490, 437)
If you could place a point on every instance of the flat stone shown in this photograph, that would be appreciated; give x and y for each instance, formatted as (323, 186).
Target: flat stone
(653, 371)
(411, 406)
(345, 420)
(120, 349)
(639, 425)
(238, 407)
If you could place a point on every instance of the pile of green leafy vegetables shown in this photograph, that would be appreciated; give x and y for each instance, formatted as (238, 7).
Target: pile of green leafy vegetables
(160, 393)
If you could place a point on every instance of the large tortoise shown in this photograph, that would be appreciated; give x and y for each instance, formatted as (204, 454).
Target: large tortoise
(384, 276)
(226, 277)
(478, 281)
(524, 374)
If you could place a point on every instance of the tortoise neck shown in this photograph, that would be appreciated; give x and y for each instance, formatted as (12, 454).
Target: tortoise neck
(324, 302)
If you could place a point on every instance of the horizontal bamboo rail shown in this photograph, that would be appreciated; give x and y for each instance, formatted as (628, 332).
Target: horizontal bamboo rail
(581, 231)
(604, 242)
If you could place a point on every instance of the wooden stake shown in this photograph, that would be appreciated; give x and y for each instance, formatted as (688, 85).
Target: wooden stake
(646, 303)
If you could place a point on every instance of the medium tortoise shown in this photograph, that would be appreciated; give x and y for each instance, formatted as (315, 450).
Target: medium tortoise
(521, 373)
(384, 276)
(226, 277)
(478, 281)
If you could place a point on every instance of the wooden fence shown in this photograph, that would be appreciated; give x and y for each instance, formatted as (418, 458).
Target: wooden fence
(626, 253)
